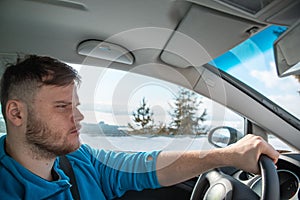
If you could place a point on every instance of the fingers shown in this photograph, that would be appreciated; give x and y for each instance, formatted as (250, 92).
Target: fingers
(270, 152)
(264, 147)
(249, 150)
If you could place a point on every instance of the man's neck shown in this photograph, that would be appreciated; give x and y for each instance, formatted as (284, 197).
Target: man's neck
(31, 160)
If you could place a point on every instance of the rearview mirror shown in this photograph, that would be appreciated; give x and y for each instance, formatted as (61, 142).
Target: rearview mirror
(287, 52)
(223, 136)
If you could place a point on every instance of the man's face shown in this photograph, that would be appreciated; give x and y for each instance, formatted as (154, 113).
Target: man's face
(53, 121)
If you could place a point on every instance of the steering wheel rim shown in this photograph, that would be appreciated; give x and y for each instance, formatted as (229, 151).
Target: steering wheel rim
(270, 181)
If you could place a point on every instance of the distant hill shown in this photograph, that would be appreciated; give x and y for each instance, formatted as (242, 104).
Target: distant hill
(102, 129)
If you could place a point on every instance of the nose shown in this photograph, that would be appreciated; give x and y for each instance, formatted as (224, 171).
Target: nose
(78, 116)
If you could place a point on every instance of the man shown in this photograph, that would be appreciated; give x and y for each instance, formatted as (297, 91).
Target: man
(40, 107)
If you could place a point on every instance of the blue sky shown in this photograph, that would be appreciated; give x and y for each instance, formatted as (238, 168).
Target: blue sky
(259, 70)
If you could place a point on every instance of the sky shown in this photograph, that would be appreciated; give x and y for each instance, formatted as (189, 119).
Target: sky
(259, 71)
(117, 94)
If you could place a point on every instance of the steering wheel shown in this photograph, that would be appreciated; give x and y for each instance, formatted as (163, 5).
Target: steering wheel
(217, 185)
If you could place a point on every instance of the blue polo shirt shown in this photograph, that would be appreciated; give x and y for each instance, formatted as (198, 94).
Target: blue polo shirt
(99, 174)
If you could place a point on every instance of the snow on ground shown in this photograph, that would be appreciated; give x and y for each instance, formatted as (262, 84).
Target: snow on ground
(140, 143)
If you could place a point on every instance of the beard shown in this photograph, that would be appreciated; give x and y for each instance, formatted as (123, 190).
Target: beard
(46, 143)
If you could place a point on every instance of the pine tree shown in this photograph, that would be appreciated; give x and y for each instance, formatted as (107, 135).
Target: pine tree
(185, 114)
(142, 117)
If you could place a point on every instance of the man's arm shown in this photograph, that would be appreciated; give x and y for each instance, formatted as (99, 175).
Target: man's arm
(175, 167)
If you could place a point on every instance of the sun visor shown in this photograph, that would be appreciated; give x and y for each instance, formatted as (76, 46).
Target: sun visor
(205, 34)
(287, 51)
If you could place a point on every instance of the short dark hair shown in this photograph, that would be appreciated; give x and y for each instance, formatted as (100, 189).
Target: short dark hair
(22, 80)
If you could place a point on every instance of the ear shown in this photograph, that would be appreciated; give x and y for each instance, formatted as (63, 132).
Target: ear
(15, 112)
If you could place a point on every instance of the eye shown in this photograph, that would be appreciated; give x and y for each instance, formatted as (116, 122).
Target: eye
(61, 106)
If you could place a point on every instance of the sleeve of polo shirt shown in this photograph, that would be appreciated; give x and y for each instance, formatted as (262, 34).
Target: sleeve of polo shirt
(121, 171)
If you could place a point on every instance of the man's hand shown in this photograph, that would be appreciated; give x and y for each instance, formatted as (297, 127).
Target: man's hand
(245, 153)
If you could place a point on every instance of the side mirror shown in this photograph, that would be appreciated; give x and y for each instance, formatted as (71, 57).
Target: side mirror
(223, 136)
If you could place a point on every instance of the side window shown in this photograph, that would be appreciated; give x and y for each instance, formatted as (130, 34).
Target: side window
(129, 112)
(279, 145)
(2, 124)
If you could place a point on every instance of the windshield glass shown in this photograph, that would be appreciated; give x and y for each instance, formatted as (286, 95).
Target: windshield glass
(252, 62)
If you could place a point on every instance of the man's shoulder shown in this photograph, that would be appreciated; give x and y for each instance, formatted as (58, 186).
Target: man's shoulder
(86, 153)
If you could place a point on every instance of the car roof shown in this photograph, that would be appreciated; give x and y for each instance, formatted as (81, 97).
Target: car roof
(58, 27)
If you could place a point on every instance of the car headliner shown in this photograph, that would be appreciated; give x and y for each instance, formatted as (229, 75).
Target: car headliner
(57, 27)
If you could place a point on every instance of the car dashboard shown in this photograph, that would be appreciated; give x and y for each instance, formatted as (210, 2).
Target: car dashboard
(289, 175)
(288, 170)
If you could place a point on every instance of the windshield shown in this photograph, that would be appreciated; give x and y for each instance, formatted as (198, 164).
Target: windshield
(252, 62)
